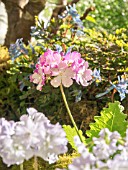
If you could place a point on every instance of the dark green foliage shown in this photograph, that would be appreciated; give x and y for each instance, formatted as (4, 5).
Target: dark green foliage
(102, 50)
(109, 52)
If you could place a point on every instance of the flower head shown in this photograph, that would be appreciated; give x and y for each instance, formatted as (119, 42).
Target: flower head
(64, 77)
(84, 75)
(122, 87)
(107, 152)
(86, 161)
(38, 78)
(62, 69)
(33, 135)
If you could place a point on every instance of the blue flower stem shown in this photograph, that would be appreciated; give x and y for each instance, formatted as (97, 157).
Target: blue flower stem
(35, 163)
(21, 167)
(69, 112)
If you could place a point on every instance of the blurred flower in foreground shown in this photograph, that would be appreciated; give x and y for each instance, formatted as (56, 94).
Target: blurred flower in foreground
(108, 152)
(33, 135)
(86, 160)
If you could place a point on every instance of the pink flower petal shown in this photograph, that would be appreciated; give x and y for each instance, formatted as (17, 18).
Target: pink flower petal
(68, 72)
(36, 78)
(83, 82)
(55, 82)
(86, 65)
(55, 71)
(47, 70)
(67, 82)
(88, 74)
(72, 57)
(39, 87)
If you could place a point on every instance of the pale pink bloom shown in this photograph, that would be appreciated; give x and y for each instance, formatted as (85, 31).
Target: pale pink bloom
(38, 78)
(84, 75)
(42, 59)
(63, 68)
(56, 59)
(50, 58)
(72, 57)
(60, 68)
(78, 64)
(74, 60)
(64, 77)
(47, 70)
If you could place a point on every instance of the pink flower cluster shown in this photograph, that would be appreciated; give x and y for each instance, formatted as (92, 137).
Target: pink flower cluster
(61, 68)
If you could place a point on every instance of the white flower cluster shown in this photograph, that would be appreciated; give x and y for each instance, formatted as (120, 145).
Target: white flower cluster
(33, 135)
(108, 152)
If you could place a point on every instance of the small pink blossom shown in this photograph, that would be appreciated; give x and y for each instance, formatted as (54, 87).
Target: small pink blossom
(61, 66)
(84, 75)
(72, 57)
(50, 58)
(64, 77)
(61, 69)
(38, 78)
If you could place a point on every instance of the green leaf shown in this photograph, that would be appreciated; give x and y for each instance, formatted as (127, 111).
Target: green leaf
(70, 133)
(112, 118)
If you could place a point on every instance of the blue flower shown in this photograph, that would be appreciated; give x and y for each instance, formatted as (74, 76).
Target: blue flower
(79, 33)
(121, 88)
(58, 48)
(17, 49)
(96, 76)
(37, 32)
(69, 49)
(32, 48)
(78, 95)
(78, 21)
(75, 16)
(71, 10)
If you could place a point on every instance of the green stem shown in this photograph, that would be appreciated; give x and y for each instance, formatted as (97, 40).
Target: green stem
(69, 112)
(35, 163)
(21, 167)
